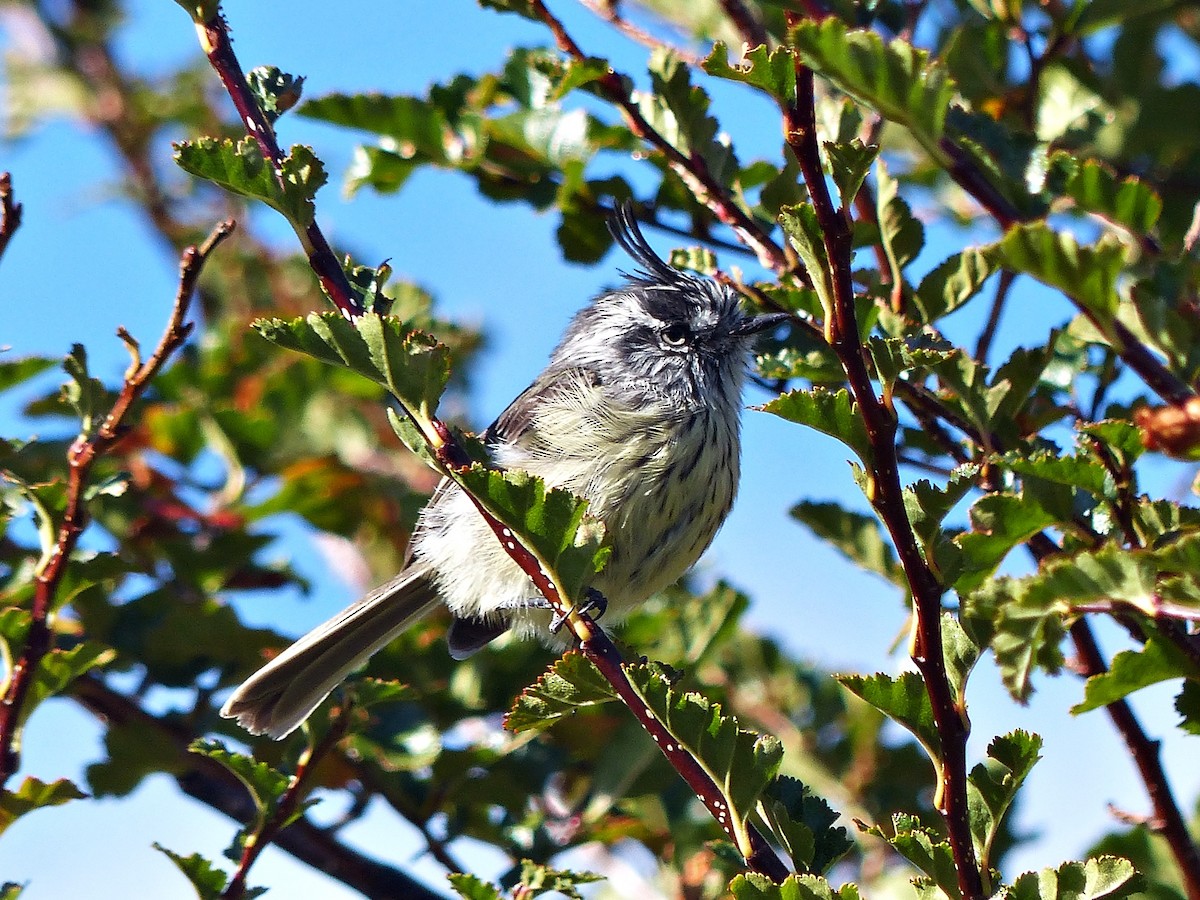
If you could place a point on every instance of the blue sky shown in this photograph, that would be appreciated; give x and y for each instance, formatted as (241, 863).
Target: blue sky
(84, 262)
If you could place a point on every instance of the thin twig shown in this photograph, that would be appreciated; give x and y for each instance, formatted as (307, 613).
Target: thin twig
(691, 168)
(83, 453)
(984, 346)
(10, 212)
(214, 39)
(209, 782)
(286, 807)
(608, 11)
(886, 494)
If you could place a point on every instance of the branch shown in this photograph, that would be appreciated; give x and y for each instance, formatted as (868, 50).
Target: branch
(886, 494)
(81, 456)
(692, 169)
(608, 11)
(212, 784)
(214, 39)
(284, 811)
(10, 212)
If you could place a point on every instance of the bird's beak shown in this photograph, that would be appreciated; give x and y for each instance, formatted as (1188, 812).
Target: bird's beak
(759, 324)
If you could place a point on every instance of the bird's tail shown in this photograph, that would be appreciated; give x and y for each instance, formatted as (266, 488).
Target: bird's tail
(282, 694)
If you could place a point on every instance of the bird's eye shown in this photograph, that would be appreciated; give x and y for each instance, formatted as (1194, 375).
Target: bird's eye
(675, 335)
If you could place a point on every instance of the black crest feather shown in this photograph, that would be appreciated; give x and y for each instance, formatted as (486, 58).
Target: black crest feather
(623, 226)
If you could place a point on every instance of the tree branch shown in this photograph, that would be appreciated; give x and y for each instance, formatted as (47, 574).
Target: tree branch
(85, 450)
(10, 212)
(886, 494)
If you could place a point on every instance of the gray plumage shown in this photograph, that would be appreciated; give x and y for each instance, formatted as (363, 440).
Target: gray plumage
(637, 411)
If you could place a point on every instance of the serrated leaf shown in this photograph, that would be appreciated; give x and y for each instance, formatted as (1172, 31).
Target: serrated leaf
(805, 825)
(804, 231)
(570, 684)
(955, 281)
(961, 654)
(265, 784)
(924, 850)
(992, 787)
(471, 887)
(830, 412)
(1187, 704)
(902, 699)
(35, 794)
(902, 83)
(753, 886)
(240, 168)
(417, 127)
(412, 365)
(1027, 613)
(1131, 670)
(1128, 202)
(207, 879)
(538, 879)
(1085, 474)
(849, 164)
(770, 71)
(1000, 522)
(678, 110)
(551, 522)
(1102, 878)
(859, 537)
(1086, 274)
(697, 259)
(739, 762)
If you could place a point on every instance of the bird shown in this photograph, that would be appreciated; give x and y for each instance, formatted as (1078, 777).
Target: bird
(638, 411)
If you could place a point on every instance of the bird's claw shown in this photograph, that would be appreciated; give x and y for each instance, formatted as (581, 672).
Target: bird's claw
(594, 605)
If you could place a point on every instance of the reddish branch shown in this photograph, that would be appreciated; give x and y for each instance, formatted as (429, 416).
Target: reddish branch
(690, 167)
(887, 493)
(10, 211)
(82, 455)
(321, 258)
(286, 807)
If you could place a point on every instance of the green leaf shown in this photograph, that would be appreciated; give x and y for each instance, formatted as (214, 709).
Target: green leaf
(1000, 522)
(266, 785)
(899, 81)
(412, 365)
(772, 72)
(923, 849)
(900, 233)
(859, 537)
(678, 110)
(1131, 670)
(802, 228)
(35, 794)
(570, 684)
(902, 699)
(522, 8)
(961, 654)
(1187, 704)
(10, 890)
(1128, 202)
(58, 668)
(804, 825)
(240, 168)
(752, 886)
(1088, 275)
(741, 763)
(849, 164)
(207, 879)
(696, 259)
(370, 692)
(550, 522)
(471, 887)
(992, 787)
(417, 127)
(275, 91)
(539, 879)
(17, 371)
(954, 282)
(1102, 878)
(830, 412)
(928, 505)
(86, 395)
